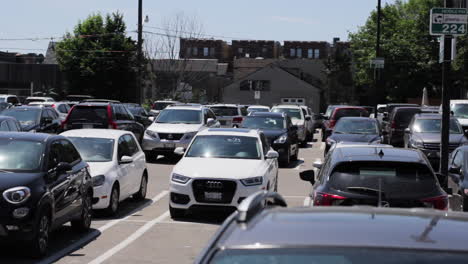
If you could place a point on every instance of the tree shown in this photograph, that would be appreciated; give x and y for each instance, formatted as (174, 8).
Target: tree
(99, 59)
(411, 53)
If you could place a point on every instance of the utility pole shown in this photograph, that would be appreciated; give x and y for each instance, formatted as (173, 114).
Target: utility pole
(139, 89)
(377, 71)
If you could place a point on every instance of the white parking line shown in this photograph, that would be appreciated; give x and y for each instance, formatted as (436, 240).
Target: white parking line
(116, 221)
(130, 239)
(307, 201)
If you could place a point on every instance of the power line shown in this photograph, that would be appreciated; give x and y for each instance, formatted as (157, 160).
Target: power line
(197, 34)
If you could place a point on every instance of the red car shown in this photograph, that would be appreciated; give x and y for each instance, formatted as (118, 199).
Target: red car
(339, 112)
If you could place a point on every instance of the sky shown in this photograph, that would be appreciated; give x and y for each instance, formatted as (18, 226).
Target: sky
(314, 20)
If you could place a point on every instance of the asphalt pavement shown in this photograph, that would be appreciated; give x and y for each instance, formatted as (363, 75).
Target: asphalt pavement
(143, 232)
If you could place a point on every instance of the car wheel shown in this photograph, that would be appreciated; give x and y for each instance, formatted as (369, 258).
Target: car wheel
(176, 212)
(113, 207)
(40, 242)
(141, 194)
(465, 203)
(84, 222)
(286, 158)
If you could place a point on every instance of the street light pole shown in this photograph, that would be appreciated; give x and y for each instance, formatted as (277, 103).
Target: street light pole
(377, 73)
(139, 89)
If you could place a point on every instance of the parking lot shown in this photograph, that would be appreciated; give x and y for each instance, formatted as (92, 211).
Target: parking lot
(143, 232)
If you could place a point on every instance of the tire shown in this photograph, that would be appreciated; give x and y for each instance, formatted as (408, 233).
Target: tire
(113, 207)
(40, 243)
(176, 212)
(296, 154)
(286, 159)
(141, 194)
(83, 224)
(465, 203)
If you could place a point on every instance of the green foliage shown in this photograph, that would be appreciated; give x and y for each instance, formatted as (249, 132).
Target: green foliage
(99, 59)
(411, 53)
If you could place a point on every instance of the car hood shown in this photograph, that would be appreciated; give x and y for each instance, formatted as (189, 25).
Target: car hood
(218, 168)
(354, 137)
(435, 138)
(297, 122)
(100, 168)
(174, 128)
(10, 180)
(273, 134)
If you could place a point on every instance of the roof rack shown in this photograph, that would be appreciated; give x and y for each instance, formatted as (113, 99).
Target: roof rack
(256, 202)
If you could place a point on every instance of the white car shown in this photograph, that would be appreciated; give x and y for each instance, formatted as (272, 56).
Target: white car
(160, 105)
(229, 115)
(222, 167)
(175, 127)
(459, 109)
(309, 123)
(297, 117)
(62, 108)
(258, 108)
(9, 98)
(117, 165)
(31, 99)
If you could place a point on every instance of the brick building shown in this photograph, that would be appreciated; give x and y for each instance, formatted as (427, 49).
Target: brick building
(204, 49)
(306, 50)
(267, 49)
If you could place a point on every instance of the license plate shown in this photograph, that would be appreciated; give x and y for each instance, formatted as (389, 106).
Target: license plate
(87, 126)
(222, 122)
(169, 145)
(214, 196)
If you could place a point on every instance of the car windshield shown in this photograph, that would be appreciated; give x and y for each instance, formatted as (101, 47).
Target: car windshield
(179, 116)
(226, 147)
(336, 255)
(356, 126)
(396, 178)
(460, 110)
(261, 122)
(225, 111)
(94, 149)
(434, 126)
(403, 117)
(291, 112)
(26, 117)
(20, 155)
(27, 101)
(136, 110)
(350, 112)
(258, 110)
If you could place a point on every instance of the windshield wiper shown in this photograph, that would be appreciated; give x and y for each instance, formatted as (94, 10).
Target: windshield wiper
(365, 190)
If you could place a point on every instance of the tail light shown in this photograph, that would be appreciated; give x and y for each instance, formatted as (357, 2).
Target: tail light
(237, 119)
(439, 202)
(65, 122)
(393, 125)
(332, 123)
(53, 105)
(111, 123)
(326, 199)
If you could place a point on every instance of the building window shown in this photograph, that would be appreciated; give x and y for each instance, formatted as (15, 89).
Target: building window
(245, 85)
(310, 53)
(206, 51)
(292, 53)
(263, 85)
(213, 52)
(188, 52)
(299, 52)
(195, 51)
(264, 50)
(240, 50)
(317, 54)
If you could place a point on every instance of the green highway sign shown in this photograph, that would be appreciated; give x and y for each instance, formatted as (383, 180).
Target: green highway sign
(448, 21)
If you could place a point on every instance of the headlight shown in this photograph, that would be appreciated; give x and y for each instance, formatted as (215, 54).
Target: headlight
(252, 181)
(98, 180)
(151, 133)
(282, 139)
(416, 144)
(189, 135)
(180, 178)
(17, 195)
(330, 141)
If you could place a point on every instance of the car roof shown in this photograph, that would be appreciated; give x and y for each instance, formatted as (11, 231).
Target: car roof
(430, 116)
(383, 228)
(95, 133)
(94, 104)
(459, 101)
(26, 136)
(6, 95)
(185, 106)
(267, 114)
(259, 106)
(229, 132)
(224, 105)
(376, 153)
(38, 97)
(286, 106)
(166, 101)
(26, 107)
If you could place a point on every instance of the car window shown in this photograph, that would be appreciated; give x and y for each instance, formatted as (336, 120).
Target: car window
(69, 154)
(45, 114)
(88, 114)
(339, 113)
(264, 122)
(356, 126)
(62, 109)
(225, 147)
(128, 115)
(291, 112)
(4, 126)
(13, 125)
(12, 100)
(53, 113)
(120, 113)
(94, 149)
(403, 117)
(122, 148)
(304, 112)
(460, 110)
(55, 152)
(131, 145)
(244, 111)
(225, 111)
(211, 114)
(265, 145)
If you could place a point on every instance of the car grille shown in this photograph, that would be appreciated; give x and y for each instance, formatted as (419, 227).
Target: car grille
(436, 146)
(227, 188)
(170, 136)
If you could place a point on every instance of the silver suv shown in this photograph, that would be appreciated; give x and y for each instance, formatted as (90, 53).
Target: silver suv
(229, 115)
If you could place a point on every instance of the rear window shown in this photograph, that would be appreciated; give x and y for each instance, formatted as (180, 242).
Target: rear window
(89, 113)
(339, 113)
(225, 111)
(403, 117)
(396, 178)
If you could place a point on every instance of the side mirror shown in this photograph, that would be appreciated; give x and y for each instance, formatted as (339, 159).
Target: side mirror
(308, 118)
(210, 122)
(317, 164)
(272, 155)
(308, 176)
(455, 170)
(63, 167)
(407, 130)
(179, 151)
(125, 160)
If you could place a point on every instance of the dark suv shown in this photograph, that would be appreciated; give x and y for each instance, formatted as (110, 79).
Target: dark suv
(45, 184)
(279, 130)
(103, 115)
(398, 121)
(376, 176)
(351, 235)
(35, 118)
(337, 113)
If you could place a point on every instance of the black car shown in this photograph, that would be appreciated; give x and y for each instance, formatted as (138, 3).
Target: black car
(332, 235)
(35, 118)
(280, 132)
(423, 133)
(140, 114)
(45, 184)
(398, 121)
(389, 110)
(376, 176)
(458, 174)
(9, 124)
(103, 115)
(355, 129)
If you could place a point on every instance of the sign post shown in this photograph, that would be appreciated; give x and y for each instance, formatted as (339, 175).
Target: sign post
(448, 21)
